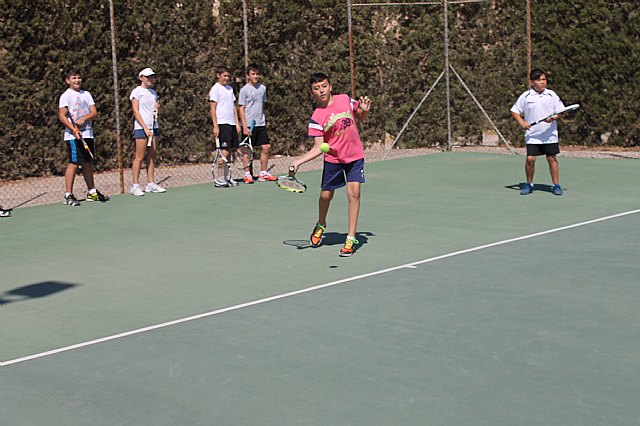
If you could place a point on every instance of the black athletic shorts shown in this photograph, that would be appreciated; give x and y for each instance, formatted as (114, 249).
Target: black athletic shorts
(228, 136)
(77, 153)
(259, 136)
(542, 149)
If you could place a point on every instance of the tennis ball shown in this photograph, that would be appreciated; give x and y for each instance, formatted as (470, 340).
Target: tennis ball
(325, 147)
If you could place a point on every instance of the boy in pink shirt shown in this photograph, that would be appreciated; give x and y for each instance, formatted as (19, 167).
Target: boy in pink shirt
(334, 123)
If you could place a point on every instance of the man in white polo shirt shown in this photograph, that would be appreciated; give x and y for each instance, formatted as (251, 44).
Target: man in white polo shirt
(541, 139)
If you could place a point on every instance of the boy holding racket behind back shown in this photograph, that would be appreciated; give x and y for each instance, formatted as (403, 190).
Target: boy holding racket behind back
(334, 122)
(76, 109)
(542, 138)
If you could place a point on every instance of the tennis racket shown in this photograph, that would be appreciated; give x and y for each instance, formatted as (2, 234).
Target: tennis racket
(220, 168)
(74, 124)
(291, 183)
(557, 113)
(153, 126)
(246, 147)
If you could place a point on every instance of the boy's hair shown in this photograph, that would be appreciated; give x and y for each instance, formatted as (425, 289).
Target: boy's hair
(252, 67)
(535, 74)
(71, 71)
(317, 78)
(221, 69)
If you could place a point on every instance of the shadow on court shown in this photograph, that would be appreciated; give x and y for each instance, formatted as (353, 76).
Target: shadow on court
(539, 187)
(331, 239)
(34, 291)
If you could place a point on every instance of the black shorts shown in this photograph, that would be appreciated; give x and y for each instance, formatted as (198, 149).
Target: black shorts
(534, 150)
(228, 136)
(259, 136)
(77, 153)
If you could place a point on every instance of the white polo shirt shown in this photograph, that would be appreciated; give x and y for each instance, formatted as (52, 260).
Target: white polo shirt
(535, 106)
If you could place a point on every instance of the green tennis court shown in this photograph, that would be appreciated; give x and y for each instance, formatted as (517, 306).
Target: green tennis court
(466, 303)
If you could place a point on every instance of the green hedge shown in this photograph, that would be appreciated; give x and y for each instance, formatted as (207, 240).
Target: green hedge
(590, 49)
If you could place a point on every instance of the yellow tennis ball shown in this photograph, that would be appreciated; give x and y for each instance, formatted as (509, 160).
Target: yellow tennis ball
(325, 147)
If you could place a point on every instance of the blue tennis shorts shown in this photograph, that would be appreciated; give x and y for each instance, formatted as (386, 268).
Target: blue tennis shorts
(140, 134)
(336, 175)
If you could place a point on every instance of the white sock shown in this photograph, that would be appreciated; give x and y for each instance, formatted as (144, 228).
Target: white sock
(350, 237)
(247, 174)
(135, 186)
(92, 191)
(66, 194)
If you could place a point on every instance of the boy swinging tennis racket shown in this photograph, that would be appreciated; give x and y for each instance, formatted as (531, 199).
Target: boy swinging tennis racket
(334, 122)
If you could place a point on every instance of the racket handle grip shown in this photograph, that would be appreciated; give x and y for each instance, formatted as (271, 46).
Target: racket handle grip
(292, 171)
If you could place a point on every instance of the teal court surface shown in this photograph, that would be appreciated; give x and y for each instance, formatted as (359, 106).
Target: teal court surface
(465, 303)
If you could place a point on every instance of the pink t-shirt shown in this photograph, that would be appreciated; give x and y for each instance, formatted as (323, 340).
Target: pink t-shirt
(336, 124)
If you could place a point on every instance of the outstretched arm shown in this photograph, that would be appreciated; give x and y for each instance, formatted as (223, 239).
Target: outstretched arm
(310, 155)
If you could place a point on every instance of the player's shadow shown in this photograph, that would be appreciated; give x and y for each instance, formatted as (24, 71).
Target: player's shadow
(540, 187)
(34, 291)
(331, 239)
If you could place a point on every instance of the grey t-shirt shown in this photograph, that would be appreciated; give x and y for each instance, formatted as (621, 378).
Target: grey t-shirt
(253, 99)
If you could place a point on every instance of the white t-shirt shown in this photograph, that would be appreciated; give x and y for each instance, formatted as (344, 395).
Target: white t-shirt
(147, 101)
(79, 104)
(225, 99)
(536, 106)
(253, 99)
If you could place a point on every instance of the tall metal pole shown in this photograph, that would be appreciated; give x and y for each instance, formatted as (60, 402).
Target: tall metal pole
(446, 72)
(351, 53)
(116, 97)
(245, 21)
(528, 39)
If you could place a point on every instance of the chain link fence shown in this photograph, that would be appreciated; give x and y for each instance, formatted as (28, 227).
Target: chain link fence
(421, 62)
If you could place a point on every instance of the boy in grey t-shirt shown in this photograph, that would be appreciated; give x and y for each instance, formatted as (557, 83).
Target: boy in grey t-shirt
(251, 102)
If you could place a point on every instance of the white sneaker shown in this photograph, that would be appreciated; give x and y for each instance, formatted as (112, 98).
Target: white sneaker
(136, 191)
(154, 187)
(232, 182)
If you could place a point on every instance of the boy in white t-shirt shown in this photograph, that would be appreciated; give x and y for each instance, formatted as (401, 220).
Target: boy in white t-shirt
(145, 104)
(225, 117)
(79, 103)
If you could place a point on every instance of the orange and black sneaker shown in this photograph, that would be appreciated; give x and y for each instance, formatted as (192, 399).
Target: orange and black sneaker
(316, 236)
(347, 249)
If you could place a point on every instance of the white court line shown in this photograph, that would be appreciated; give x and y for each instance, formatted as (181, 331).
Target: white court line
(307, 290)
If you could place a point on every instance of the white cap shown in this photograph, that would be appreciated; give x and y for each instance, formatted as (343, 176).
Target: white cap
(146, 72)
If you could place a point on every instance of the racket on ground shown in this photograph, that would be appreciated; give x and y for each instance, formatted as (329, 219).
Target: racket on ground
(246, 147)
(153, 126)
(291, 183)
(555, 114)
(220, 166)
(74, 124)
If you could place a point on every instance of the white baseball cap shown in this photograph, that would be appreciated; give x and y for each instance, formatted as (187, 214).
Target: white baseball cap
(146, 72)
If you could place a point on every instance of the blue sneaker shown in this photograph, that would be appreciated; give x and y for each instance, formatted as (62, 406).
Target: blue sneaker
(557, 189)
(527, 188)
